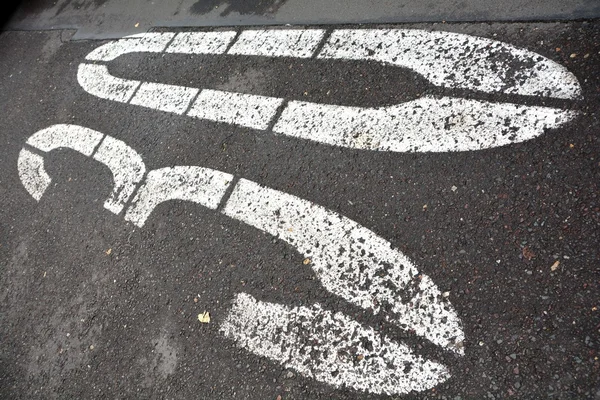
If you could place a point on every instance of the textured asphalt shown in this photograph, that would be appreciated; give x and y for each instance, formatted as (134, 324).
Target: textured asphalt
(93, 307)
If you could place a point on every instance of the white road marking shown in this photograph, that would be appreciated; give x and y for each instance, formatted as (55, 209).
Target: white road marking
(457, 61)
(247, 110)
(200, 185)
(329, 347)
(351, 261)
(127, 168)
(201, 42)
(423, 125)
(78, 138)
(96, 80)
(169, 98)
(32, 174)
(125, 164)
(151, 42)
(298, 43)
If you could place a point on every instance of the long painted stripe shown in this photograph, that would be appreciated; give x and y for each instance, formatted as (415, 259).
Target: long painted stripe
(351, 261)
(127, 168)
(96, 80)
(148, 42)
(203, 186)
(32, 173)
(169, 98)
(298, 43)
(456, 60)
(201, 42)
(424, 125)
(247, 110)
(329, 347)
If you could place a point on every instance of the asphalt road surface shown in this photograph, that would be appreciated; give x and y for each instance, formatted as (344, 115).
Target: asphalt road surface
(357, 212)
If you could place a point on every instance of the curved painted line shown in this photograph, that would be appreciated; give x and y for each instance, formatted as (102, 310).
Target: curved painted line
(203, 186)
(125, 164)
(342, 352)
(427, 124)
(457, 60)
(351, 261)
(32, 173)
(445, 59)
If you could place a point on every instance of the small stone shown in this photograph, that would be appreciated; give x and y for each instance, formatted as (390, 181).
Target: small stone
(517, 385)
(91, 347)
(290, 374)
(454, 188)
(516, 370)
(573, 55)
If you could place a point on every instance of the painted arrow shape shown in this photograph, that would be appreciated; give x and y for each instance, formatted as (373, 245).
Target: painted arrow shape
(428, 124)
(350, 261)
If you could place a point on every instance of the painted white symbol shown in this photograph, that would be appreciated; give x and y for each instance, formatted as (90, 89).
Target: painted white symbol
(350, 261)
(428, 124)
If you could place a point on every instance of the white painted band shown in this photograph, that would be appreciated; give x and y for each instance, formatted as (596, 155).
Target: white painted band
(423, 125)
(329, 347)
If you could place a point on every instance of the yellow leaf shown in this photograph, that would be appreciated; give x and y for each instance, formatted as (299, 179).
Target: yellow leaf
(137, 24)
(108, 252)
(204, 317)
(554, 266)
(306, 261)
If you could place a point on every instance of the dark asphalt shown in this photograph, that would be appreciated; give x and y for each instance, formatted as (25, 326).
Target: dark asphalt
(93, 307)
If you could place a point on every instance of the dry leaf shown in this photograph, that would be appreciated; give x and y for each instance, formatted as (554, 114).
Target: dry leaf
(137, 24)
(204, 317)
(108, 252)
(306, 261)
(527, 253)
(554, 266)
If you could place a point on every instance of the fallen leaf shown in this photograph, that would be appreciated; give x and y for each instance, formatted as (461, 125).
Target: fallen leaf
(554, 266)
(573, 55)
(360, 357)
(108, 252)
(306, 261)
(425, 207)
(527, 253)
(558, 49)
(571, 145)
(204, 317)
(137, 24)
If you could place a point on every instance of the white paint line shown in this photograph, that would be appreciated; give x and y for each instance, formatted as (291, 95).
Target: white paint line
(74, 137)
(201, 42)
(32, 173)
(200, 185)
(457, 61)
(169, 98)
(329, 347)
(127, 168)
(299, 43)
(423, 125)
(151, 42)
(247, 110)
(351, 261)
(96, 80)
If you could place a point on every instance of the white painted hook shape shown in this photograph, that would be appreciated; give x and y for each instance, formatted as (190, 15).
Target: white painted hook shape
(428, 124)
(350, 261)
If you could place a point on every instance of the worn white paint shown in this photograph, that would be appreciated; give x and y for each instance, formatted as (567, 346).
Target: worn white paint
(78, 138)
(169, 98)
(203, 186)
(127, 169)
(329, 347)
(298, 43)
(427, 124)
(424, 125)
(351, 261)
(96, 80)
(150, 42)
(201, 42)
(32, 173)
(125, 164)
(456, 60)
(247, 110)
